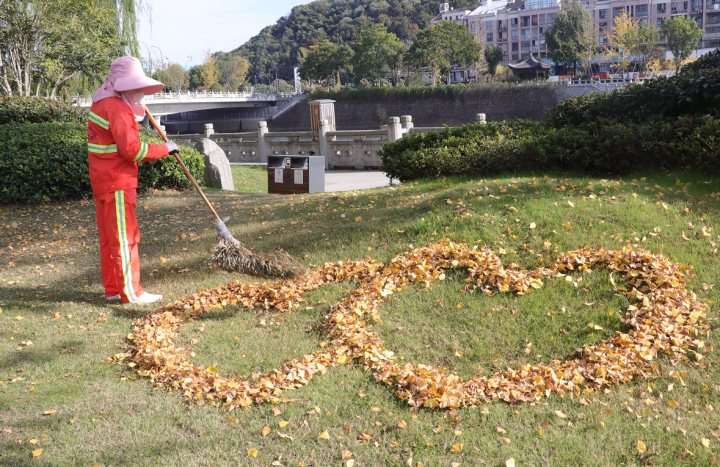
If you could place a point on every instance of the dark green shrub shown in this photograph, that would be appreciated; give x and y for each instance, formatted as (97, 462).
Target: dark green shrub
(600, 147)
(691, 93)
(706, 62)
(18, 109)
(49, 162)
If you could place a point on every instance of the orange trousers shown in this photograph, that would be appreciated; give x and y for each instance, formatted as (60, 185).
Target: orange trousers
(119, 238)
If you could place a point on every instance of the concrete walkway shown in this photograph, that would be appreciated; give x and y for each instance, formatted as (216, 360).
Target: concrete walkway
(349, 180)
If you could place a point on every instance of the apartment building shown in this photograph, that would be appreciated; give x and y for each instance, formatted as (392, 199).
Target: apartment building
(518, 26)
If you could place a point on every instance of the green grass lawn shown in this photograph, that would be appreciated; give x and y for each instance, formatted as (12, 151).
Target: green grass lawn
(62, 393)
(250, 178)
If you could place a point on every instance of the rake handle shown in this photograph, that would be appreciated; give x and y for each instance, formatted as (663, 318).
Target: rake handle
(179, 161)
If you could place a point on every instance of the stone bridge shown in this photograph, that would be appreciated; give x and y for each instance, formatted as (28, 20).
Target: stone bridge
(167, 103)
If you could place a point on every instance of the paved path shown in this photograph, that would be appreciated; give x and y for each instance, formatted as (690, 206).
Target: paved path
(349, 180)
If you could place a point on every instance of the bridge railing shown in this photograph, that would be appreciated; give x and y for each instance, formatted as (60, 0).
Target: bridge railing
(342, 149)
(204, 96)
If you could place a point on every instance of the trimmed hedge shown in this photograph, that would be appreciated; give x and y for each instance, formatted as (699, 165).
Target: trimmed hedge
(18, 109)
(603, 146)
(694, 93)
(49, 162)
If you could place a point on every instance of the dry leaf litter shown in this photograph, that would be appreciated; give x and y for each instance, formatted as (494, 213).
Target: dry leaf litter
(664, 319)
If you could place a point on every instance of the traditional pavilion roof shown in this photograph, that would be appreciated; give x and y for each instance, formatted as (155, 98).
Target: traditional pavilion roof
(530, 64)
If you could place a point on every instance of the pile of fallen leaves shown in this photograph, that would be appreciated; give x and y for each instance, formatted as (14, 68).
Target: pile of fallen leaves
(665, 319)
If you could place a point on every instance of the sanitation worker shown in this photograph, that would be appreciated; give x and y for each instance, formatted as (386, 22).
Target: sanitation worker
(114, 151)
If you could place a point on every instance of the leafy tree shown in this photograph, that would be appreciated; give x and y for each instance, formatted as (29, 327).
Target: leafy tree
(377, 51)
(682, 35)
(571, 38)
(176, 78)
(208, 71)
(635, 38)
(325, 60)
(233, 72)
(493, 56)
(128, 14)
(445, 44)
(45, 43)
(195, 77)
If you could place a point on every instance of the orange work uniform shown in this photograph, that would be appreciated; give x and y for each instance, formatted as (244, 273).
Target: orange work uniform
(114, 151)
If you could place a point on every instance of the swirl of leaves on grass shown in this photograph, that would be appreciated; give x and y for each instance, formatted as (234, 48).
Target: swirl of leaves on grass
(665, 319)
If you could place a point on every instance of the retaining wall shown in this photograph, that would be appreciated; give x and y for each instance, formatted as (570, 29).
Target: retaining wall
(498, 104)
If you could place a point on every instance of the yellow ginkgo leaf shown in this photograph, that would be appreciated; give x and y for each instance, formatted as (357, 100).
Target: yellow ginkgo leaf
(49, 412)
(346, 454)
(560, 414)
(265, 431)
(532, 225)
(283, 423)
(252, 452)
(36, 452)
(402, 424)
(641, 448)
(510, 462)
(456, 447)
(705, 442)
(324, 435)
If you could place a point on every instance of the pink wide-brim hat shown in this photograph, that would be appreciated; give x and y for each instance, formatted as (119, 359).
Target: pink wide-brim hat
(128, 74)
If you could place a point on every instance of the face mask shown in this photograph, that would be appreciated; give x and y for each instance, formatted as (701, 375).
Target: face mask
(138, 97)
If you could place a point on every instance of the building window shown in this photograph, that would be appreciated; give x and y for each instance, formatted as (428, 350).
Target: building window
(525, 21)
(603, 26)
(524, 46)
(661, 7)
(514, 35)
(524, 34)
(698, 19)
(641, 10)
(489, 25)
(550, 18)
(514, 46)
(542, 19)
(489, 37)
(542, 44)
(603, 40)
(515, 57)
(602, 14)
(617, 11)
(513, 22)
(542, 30)
(673, 6)
(714, 19)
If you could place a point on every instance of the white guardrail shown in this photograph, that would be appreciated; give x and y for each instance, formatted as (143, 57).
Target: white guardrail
(203, 96)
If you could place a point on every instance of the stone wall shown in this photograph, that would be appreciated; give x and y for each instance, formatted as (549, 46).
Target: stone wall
(496, 103)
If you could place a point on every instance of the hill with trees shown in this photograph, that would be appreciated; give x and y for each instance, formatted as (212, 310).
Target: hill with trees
(340, 21)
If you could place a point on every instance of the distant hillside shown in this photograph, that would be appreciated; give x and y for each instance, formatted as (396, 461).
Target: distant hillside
(340, 21)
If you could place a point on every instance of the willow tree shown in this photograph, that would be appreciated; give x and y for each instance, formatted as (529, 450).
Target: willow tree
(128, 13)
(45, 44)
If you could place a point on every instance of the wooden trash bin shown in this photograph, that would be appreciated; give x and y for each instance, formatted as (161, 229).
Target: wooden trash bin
(296, 174)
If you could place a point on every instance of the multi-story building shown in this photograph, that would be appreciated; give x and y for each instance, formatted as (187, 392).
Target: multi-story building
(518, 26)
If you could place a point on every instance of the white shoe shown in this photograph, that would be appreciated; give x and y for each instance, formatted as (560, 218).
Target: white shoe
(147, 298)
(114, 297)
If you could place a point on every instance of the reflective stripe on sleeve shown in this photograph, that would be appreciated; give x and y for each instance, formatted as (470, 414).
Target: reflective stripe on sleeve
(142, 153)
(98, 120)
(102, 148)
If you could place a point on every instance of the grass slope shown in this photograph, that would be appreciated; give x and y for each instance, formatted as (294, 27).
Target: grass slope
(58, 334)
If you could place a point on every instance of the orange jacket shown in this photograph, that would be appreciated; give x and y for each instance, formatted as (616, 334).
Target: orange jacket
(114, 148)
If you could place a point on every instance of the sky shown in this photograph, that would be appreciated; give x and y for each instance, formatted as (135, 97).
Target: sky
(182, 29)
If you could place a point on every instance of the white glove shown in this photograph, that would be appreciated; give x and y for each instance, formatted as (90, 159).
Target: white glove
(172, 148)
